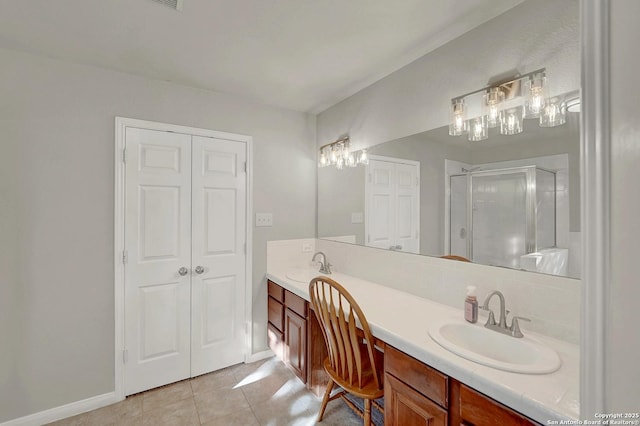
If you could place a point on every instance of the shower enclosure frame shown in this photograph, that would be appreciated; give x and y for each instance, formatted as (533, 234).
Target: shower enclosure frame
(531, 209)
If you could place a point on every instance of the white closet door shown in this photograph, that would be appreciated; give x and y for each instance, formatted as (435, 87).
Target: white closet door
(407, 208)
(380, 205)
(218, 254)
(158, 243)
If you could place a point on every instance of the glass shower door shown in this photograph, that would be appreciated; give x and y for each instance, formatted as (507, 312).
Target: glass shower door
(499, 217)
(458, 216)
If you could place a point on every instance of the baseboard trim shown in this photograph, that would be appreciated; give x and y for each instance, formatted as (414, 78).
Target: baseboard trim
(64, 411)
(258, 356)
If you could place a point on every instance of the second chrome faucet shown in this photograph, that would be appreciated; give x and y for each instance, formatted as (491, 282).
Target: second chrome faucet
(325, 266)
(501, 326)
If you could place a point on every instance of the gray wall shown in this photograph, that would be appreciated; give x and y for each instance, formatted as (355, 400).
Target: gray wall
(56, 213)
(340, 193)
(622, 390)
(534, 34)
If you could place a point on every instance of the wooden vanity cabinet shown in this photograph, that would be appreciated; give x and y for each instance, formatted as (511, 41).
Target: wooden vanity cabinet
(287, 328)
(416, 394)
(275, 316)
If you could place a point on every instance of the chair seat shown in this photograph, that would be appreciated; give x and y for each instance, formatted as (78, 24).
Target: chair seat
(369, 389)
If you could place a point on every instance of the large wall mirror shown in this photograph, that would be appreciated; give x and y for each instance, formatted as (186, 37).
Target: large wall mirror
(510, 201)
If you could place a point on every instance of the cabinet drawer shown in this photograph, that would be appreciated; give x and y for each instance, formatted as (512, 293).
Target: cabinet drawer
(275, 291)
(480, 410)
(276, 312)
(295, 303)
(426, 380)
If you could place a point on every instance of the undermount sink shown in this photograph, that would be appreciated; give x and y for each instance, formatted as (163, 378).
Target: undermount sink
(302, 275)
(487, 347)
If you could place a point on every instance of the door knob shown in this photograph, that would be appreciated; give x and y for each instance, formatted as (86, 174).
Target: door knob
(183, 271)
(199, 270)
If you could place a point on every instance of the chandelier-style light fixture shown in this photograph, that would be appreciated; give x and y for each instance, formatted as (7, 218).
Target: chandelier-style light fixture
(339, 154)
(505, 105)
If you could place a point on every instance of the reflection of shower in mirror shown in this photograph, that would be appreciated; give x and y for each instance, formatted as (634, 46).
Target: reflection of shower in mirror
(506, 217)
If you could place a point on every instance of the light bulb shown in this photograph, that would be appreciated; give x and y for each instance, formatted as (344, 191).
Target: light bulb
(511, 121)
(351, 160)
(478, 129)
(363, 158)
(493, 98)
(345, 149)
(333, 156)
(458, 121)
(553, 114)
(323, 161)
(535, 96)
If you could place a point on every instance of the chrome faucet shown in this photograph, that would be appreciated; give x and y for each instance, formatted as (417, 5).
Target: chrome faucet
(325, 267)
(501, 326)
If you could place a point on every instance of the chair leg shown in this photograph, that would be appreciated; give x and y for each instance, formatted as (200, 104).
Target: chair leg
(367, 412)
(325, 400)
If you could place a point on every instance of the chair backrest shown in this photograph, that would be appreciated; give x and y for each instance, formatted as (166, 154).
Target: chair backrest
(454, 257)
(340, 319)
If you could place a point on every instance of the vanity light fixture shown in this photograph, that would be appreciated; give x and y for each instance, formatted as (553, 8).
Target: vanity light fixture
(505, 105)
(339, 154)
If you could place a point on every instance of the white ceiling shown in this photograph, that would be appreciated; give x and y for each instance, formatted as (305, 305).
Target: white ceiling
(304, 55)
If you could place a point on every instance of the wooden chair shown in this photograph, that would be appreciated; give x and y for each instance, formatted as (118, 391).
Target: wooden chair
(353, 362)
(454, 257)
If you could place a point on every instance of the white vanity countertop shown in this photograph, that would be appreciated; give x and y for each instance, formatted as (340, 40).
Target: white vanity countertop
(402, 320)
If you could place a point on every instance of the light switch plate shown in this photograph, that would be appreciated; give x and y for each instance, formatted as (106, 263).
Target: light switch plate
(357, 217)
(264, 219)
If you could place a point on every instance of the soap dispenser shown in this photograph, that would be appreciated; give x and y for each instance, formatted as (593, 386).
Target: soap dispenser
(471, 305)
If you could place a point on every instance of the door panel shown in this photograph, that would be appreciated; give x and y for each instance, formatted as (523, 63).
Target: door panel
(159, 320)
(218, 244)
(407, 207)
(393, 205)
(220, 211)
(218, 310)
(379, 220)
(159, 222)
(157, 237)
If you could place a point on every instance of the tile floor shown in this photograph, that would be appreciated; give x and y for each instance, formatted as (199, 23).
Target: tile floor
(265, 393)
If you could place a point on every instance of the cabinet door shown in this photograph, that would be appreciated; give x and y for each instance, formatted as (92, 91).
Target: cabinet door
(276, 340)
(406, 407)
(295, 343)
